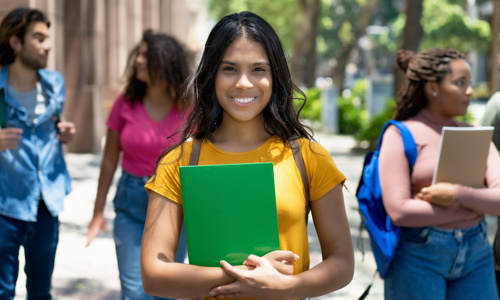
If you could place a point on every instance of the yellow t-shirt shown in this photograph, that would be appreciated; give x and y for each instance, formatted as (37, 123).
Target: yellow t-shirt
(322, 174)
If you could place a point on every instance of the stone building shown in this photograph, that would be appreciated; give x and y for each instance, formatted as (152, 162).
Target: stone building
(91, 42)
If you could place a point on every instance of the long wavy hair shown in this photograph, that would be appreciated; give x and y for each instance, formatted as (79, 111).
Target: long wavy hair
(419, 68)
(16, 23)
(280, 116)
(167, 61)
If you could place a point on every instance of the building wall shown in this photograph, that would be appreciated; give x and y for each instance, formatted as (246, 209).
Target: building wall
(92, 40)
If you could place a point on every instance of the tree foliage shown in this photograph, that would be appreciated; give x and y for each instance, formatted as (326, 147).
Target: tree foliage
(284, 15)
(445, 24)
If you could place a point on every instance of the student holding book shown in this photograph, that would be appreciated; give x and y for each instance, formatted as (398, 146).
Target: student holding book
(244, 113)
(444, 251)
(139, 123)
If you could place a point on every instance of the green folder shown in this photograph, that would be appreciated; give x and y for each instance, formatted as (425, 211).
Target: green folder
(229, 212)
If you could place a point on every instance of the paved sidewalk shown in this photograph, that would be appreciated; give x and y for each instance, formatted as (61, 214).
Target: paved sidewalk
(91, 272)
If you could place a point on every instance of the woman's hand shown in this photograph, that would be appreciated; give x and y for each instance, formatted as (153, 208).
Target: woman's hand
(263, 282)
(441, 194)
(281, 260)
(98, 222)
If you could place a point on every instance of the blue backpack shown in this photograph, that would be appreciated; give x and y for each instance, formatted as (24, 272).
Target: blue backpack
(384, 236)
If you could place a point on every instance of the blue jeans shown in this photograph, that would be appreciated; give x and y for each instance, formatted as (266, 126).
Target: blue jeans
(435, 263)
(131, 203)
(39, 240)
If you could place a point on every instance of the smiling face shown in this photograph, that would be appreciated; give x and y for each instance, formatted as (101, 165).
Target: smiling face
(453, 93)
(243, 83)
(34, 51)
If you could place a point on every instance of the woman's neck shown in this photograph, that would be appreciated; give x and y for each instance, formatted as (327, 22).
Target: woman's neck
(240, 136)
(157, 102)
(157, 95)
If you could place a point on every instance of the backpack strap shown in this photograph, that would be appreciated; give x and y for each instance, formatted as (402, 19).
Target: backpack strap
(3, 109)
(195, 153)
(299, 162)
(408, 141)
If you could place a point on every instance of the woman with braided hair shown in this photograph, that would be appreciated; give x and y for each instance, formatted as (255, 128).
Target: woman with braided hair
(444, 252)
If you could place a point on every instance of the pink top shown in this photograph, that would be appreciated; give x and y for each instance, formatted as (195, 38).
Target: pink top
(142, 140)
(399, 193)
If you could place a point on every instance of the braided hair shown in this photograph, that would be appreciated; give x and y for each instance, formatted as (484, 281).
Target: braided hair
(419, 68)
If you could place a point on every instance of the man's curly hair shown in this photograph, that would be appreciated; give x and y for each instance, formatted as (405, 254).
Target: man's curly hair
(16, 23)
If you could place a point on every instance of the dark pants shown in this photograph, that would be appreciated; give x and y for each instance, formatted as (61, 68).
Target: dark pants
(39, 240)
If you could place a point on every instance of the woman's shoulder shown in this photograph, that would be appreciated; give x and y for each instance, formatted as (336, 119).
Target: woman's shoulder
(178, 155)
(311, 146)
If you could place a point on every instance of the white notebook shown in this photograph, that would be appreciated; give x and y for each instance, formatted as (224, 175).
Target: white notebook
(463, 155)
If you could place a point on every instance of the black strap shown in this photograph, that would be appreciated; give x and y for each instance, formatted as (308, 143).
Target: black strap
(3, 109)
(367, 290)
(297, 155)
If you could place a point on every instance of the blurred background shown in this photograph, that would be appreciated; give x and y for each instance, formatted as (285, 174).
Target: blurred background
(341, 52)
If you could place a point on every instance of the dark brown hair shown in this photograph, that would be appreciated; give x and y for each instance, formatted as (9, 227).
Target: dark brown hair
(16, 23)
(280, 117)
(167, 61)
(419, 68)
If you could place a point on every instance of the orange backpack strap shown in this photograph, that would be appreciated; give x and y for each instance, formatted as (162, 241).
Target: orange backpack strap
(195, 153)
(299, 161)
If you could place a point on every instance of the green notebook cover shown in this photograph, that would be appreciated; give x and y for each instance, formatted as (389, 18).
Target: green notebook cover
(229, 212)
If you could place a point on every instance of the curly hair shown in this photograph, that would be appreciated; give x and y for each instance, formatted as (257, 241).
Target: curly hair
(419, 68)
(167, 61)
(16, 23)
(280, 116)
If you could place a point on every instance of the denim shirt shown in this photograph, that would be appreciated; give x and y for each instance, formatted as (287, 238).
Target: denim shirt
(37, 167)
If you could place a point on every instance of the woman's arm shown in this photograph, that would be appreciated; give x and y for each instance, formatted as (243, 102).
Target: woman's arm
(108, 168)
(161, 275)
(334, 272)
(395, 182)
(483, 200)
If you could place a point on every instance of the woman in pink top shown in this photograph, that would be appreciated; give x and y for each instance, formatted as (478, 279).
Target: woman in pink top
(444, 252)
(143, 122)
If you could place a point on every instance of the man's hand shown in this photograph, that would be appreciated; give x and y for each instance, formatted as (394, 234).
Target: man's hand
(66, 131)
(9, 138)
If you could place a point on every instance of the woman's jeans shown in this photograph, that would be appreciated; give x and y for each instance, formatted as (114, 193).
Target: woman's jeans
(131, 203)
(435, 263)
(39, 240)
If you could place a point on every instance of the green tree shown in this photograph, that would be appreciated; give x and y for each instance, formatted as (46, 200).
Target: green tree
(295, 21)
(342, 24)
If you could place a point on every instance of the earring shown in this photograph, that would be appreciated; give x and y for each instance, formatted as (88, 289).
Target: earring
(434, 94)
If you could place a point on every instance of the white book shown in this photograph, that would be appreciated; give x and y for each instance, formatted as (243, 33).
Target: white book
(462, 155)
